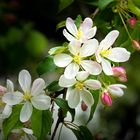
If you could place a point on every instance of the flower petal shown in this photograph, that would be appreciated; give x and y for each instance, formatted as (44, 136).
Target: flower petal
(107, 67)
(89, 48)
(7, 111)
(12, 98)
(91, 66)
(73, 98)
(92, 84)
(71, 70)
(119, 85)
(82, 75)
(62, 60)
(115, 90)
(87, 97)
(41, 102)
(25, 80)
(68, 36)
(38, 86)
(64, 82)
(71, 27)
(10, 86)
(119, 55)
(74, 47)
(91, 33)
(28, 131)
(26, 112)
(110, 38)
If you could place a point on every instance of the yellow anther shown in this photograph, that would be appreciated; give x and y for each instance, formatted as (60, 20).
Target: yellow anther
(77, 59)
(79, 85)
(27, 96)
(105, 53)
(79, 34)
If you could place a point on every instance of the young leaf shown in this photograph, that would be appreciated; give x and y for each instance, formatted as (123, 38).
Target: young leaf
(64, 3)
(64, 106)
(61, 24)
(82, 133)
(12, 122)
(104, 3)
(41, 122)
(96, 95)
(47, 65)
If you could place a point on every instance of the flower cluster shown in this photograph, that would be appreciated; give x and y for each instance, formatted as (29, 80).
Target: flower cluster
(87, 61)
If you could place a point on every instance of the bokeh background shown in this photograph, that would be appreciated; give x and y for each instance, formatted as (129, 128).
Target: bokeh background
(29, 28)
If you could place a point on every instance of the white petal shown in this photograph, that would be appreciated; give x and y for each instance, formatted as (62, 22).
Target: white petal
(106, 67)
(38, 86)
(26, 112)
(86, 25)
(64, 82)
(25, 80)
(12, 98)
(87, 97)
(10, 86)
(98, 56)
(91, 66)
(119, 55)
(71, 70)
(109, 39)
(119, 85)
(92, 84)
(68, 36)
(91, 32)
(89, 48)
(27, 131)
(71, 27)
(74, 47)
(41, 102)
(62, 60)
(82, 75)
(115, 90)
(7, 111)
(73, 98)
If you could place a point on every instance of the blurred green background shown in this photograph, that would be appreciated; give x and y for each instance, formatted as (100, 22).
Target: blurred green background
(28, 28)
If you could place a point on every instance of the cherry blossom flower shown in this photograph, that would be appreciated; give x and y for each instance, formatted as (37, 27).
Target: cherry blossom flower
(105, 52)
(77, 59)
(83, 33)
(78, 88)
(32, 96)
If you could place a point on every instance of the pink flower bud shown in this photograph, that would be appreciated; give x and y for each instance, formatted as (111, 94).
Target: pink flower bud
(120, 73)
(2, 90)
(84, 106)
(132, 21)
(136, 45)
(106, 98)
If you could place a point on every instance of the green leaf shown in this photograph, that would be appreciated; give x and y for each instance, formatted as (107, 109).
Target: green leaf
(61, 24)
(47, 65)
(41, 122)
(82, 133)
(64, 106)
(57, 50)
(96, 95)
(64, 3)
(78, 21)
(12, 122)
(104, 3)
(54, 86)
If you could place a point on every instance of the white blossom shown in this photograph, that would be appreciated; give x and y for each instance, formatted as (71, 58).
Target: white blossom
(85, 32)
(78, 59)
(105, 52)
(32, 96)
(78, 88)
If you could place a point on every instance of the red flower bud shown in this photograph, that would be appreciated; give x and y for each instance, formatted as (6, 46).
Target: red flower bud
(132, 21)
(136, 45)
(84, 106)
(106, 99)
(2, 90)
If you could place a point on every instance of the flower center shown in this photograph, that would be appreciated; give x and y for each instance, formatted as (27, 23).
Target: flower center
(27, 96)
(77, 59)
(79, 85)
(79, 34)
(105, 53)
